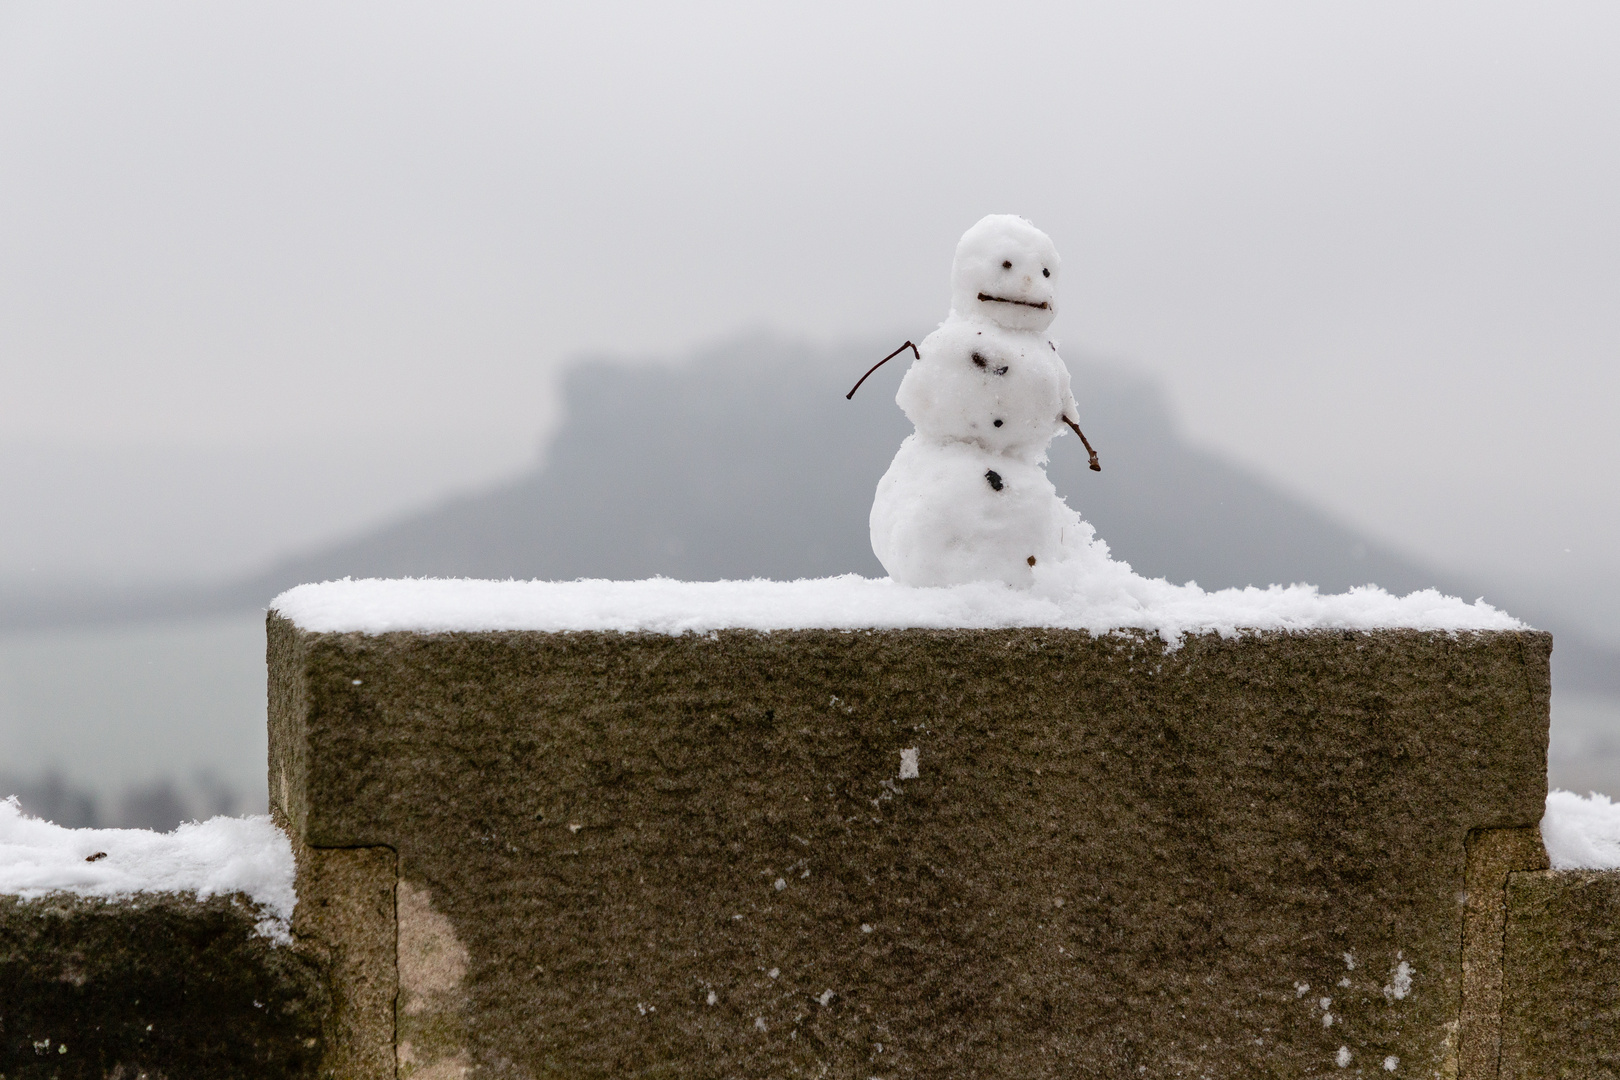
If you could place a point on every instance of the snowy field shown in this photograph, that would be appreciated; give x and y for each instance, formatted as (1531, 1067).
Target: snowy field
(119, 710)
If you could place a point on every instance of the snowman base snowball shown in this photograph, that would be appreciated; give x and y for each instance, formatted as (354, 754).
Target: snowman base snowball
(950, 513)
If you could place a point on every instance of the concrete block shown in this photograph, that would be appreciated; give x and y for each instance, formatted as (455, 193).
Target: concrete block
(1561, 1000)
(637, 854)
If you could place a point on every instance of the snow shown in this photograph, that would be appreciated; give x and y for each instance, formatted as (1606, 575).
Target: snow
(1581, 833)
(851, 602)
(951, 512)
(1400, 982)
(968, 375)
(221, 856)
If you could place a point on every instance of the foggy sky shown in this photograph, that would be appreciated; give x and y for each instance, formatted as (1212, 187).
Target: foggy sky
(1372, 250)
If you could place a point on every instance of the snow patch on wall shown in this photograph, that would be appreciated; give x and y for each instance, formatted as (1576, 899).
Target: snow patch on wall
(223, 855)
(1118, 599)
(1581, 833)
(1400, 982)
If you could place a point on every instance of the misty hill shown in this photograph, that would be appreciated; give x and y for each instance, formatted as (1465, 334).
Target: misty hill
(748, 461)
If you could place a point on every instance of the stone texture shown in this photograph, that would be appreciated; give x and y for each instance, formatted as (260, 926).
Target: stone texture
(1493, 854)
(345, 920)
(1561, 1007)
(158, 986)
(637, 855)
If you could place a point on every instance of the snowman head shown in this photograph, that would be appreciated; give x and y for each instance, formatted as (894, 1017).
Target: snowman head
(1005, 272)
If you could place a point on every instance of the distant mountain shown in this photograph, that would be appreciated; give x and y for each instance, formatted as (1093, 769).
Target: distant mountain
(748, 461)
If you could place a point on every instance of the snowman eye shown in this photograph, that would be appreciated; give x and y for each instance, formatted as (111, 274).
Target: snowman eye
(1045, 272)
(1006, 265)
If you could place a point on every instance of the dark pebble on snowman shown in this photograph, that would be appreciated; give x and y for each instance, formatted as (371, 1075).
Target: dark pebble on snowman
(979, 361)
(994, 479)
(998, 423)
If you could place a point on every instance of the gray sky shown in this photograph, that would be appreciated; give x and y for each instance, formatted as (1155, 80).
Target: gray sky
(1373, 249)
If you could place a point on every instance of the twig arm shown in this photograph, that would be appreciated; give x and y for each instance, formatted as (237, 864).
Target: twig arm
(880, 363)
(1089, 451)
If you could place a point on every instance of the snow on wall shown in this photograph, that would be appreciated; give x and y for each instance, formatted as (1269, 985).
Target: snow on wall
(1117, 600)
(1581, 833)
(220, 856)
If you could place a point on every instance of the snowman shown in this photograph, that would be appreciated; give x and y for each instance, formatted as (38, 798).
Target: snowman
(966, 497)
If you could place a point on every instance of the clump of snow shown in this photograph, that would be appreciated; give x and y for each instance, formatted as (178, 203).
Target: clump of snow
(1581, 833)
(908, 764)
(220, 856)
(1400, 982)
(1113, 599)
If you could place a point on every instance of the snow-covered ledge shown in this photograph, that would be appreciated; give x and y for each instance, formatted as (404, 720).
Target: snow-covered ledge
(747, 828)
(665, 606)
(125, 952)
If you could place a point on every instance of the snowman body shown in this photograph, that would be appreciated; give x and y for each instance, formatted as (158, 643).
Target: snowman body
(1004, 390)
(967, 497)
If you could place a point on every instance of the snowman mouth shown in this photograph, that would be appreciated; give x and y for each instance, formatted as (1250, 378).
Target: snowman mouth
(1003, 300)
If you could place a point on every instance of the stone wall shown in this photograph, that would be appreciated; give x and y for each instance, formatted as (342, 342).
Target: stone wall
(158, 986)
(640, 854)
(1561, 1004)
(1011, 853)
